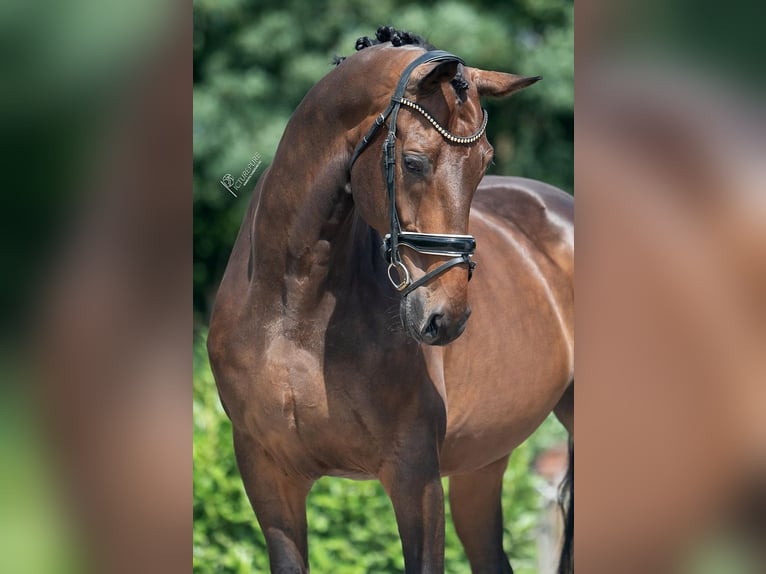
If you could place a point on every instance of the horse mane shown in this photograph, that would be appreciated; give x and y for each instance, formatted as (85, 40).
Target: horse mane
(396, 37)
(403, 38)
(388, 34)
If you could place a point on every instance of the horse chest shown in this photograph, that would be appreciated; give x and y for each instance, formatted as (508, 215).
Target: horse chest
(292, 395)
(308, 412)
(289, 385)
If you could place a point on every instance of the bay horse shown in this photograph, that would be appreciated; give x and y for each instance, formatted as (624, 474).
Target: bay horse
(338, 339)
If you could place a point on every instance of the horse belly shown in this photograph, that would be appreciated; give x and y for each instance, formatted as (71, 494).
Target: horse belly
(501, 384)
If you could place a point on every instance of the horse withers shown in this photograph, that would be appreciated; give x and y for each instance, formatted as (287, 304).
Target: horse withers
(340, 339)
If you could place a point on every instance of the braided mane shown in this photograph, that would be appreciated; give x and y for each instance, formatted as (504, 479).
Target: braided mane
(388, 34)
(402, 38)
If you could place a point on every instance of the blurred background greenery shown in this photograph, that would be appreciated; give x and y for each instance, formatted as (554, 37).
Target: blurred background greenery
(253, 63)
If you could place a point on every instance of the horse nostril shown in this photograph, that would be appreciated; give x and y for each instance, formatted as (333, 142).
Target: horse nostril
(431, 330)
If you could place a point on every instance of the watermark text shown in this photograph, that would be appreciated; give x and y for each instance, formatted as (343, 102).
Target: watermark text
(228, 182)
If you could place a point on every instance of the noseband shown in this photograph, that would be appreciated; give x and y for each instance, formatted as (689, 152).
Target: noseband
(458, 247)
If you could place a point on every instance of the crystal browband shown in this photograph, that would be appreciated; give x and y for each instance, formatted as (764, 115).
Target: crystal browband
(445, 134)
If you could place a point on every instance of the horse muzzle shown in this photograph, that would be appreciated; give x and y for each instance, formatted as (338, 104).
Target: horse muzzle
(438, 327)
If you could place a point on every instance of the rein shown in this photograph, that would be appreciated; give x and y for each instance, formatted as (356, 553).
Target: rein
(458, 247)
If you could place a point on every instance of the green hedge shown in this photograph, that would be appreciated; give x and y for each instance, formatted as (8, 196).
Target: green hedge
(351, 524)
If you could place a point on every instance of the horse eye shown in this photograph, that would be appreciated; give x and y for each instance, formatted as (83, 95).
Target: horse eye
(414, 164)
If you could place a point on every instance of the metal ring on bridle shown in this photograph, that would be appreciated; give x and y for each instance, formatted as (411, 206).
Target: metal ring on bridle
(403, 274)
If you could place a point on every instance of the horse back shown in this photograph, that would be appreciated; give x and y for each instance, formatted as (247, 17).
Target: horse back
(542, 213)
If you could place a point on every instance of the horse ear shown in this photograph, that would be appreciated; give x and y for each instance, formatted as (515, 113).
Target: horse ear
(433, 76)
(499, 84)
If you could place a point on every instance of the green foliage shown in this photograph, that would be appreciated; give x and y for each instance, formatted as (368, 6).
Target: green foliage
(351, 524)
(254, 62)
(37, 537)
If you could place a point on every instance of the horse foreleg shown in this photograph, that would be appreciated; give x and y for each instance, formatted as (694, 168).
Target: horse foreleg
(477, 513)
(415, 489)
(279, 502)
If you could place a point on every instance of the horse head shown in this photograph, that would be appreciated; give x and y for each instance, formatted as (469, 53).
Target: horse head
(417, 194)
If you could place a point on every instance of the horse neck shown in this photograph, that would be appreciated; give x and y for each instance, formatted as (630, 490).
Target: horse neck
(309, 246)
(306, 265)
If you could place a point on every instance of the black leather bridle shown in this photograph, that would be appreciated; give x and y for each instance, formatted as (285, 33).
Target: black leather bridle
(458, 247)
